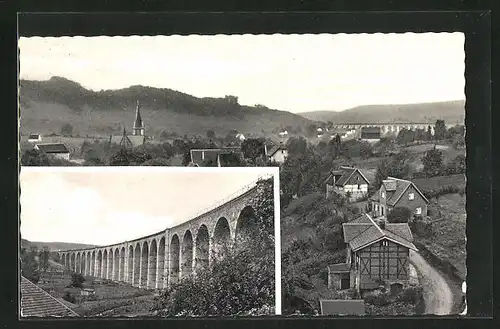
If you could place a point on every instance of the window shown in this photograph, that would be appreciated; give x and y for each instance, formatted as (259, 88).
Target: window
(411, 196)
(418, 211)
(382, 211)
(376, 207)
(383, 195)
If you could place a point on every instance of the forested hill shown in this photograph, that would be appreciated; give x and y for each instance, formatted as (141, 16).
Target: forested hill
(63, 97)
(451, 112)
(54, 245)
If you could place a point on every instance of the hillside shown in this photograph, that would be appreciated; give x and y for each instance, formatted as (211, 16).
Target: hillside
(47, 105)
(54, 245)
(451, 112)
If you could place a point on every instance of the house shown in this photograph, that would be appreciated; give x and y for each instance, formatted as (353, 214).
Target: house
(56, 150)
(347, 180)
(240, 136)
(395, 192)
(35, 302)
(138, 133)
(377, 254)
(198, 156)
(34, 138)
(87, 292)
(342, 307)
(277, 153)
(370, 134)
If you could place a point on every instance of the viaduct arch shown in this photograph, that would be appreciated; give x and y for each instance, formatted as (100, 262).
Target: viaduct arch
(161, 259)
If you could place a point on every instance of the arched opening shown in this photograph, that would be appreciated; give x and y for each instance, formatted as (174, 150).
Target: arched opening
(104, 272)
(92, 264)
(152, 265)
(247, 226)
(174, 259)
(72, 263)
(161, 264)
(87, 263)
(82, 263)
(221, 240)
(202, 247)
(137, 264)
(130, 274)
(109, 273)
(78, 263)
(144, 265)
(187, 254)
(98, 267)
(116, 266)
(121, 275)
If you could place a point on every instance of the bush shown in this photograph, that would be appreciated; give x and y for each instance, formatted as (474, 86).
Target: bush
(399, 215)
(446, 189)
(377, 299)
(77, 280)
(412, 295)
(69, 297)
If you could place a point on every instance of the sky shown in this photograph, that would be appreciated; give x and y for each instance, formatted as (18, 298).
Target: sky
(106, 206)
(295, 73)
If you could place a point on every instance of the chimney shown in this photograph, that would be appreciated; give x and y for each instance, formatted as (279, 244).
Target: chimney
(381, 223)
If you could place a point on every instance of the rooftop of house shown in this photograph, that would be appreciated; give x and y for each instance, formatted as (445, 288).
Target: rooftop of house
(342, 307)
(34, 136)
(52, 148)
(200, 155)
(339, 268)
(364, 230)
(395, 188)
(275, 149)
(37, 302)
(370, 130)
(135, 140)
(345, 174)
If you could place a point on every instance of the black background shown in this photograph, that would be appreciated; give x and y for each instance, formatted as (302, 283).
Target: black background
(471, 17)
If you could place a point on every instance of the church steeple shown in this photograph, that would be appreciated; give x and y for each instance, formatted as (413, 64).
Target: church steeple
(138, 128)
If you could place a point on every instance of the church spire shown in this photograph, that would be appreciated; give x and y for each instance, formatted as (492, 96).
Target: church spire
(138, 128)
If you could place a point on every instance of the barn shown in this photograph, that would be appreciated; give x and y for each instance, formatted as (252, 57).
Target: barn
(377, 254)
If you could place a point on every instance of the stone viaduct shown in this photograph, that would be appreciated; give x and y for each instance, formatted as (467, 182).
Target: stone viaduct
(163, 258)
(390, 128)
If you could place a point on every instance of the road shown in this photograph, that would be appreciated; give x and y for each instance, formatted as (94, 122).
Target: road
(437, 294)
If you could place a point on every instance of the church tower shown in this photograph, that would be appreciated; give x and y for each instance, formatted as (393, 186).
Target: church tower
(138, 129)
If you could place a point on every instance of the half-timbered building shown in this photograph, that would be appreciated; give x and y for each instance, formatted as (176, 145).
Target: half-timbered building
(377, 254)
(348, 181)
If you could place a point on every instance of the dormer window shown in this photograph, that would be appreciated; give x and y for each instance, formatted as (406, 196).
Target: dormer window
(383, 195)
(411, 196)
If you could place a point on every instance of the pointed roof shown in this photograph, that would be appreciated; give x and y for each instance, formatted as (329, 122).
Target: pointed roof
(401, 186)
(37, 302)
(363, 231)
(138, 118)
(346, 173)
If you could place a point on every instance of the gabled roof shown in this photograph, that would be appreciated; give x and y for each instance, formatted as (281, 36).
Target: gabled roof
(342, 307)
(53, 148)
(401, 186)
(363, 231)
(36, 302)
(347, 173)
(200, 155)
(275, 149)
(128, 140)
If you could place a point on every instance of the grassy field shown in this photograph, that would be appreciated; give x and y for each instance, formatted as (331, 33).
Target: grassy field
(434, 183)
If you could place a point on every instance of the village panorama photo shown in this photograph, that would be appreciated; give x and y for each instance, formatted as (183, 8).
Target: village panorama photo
(149, 242)
(367, 132)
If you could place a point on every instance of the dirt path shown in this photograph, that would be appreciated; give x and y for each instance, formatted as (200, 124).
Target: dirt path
(437, 294)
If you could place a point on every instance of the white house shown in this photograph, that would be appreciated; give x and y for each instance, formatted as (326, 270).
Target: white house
(277, 153)
(57, 150)
(34, 138)
(347, 180)
(240, 136)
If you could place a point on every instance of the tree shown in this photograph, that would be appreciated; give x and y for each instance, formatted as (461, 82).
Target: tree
(433, 162)
(34, 158)
(210, 134)
(458, 142)
(157, 162)
(457, 165)
(399, 215)
(252, 148)
(29, 264)
(67, 129)
(296, 145)
(77, 280)
(44, 259)
(405, 137)
(439, 130)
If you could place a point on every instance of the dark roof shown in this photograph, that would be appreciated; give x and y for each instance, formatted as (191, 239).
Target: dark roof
(342, 307)
(370, 130)
(34, 136)
(346, 173)
(211, 154)
(275, 149)
(128, 140)
(53, 148)
(36, 302)
(397, 188)
(339, 268)
(363, 231)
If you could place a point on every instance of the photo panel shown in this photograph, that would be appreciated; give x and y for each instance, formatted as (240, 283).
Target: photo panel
(104, 242)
